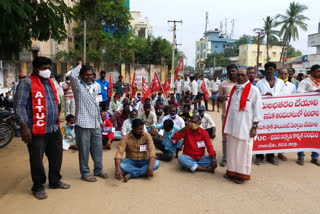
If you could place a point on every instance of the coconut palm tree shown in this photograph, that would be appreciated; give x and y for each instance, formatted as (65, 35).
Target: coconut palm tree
(290, 22)
(268, 33)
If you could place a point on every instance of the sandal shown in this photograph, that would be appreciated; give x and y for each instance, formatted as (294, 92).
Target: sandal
(89, 178)
(103, 175)
(40, 195)
(61, 185)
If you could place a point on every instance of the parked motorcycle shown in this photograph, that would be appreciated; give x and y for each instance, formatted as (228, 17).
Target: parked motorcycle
(7, 126)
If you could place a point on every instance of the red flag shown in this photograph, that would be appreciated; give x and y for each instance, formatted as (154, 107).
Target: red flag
(110, 87)
(145, 91)
(157, 85)
(134, 86)
(166, 88)
(127, 90)
(205, 92)
(179, 68)
(152, 86)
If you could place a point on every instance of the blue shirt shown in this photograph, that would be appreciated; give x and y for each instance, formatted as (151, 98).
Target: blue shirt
(104, 84)
(23, 105)
(167, 138)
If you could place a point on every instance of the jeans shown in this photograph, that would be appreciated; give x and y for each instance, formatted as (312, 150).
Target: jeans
(51, 145)
(137, 168)
(166, 155)
(117, 135)
(314, 155)
(69, 107)
(89, 141)
(192, 164)
(178, 97)
(193, 98)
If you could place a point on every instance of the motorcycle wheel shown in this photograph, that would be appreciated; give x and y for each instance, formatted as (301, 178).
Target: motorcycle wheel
(6, 135)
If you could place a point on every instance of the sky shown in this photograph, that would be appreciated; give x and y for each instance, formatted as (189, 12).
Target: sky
(248, 14)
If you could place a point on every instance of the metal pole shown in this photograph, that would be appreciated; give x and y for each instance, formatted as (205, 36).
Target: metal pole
(258, 53)
(173, 52)
(84, 41)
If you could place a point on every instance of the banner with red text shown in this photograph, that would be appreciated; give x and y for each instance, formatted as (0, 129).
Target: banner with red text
(291, 124)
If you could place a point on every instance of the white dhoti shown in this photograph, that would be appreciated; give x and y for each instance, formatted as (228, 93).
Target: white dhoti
(239, 157)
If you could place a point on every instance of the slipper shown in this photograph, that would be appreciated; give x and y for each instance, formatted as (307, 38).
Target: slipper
(61, 185)
(40, 195)
(103, 175)
(89, 178)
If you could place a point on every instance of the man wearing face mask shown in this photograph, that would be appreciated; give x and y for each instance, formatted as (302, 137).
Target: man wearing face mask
(104, 89)
(244, 112)
(140, 154)
(36, 106)
(207, 122)
(69, 104)
(196, 140)
(165, 145)
(127, 124)
(88, 122)
(177, 120)
(56, 81)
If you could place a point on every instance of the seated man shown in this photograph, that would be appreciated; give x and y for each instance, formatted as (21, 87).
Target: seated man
(148, 117)
(106, 131)
(165, 145)
(186, 115)
(114, 104)
(140, 154)
(207, 122)
(196, 140)
(118, 120)
(127, 124)
(141, 106)
(69, 136)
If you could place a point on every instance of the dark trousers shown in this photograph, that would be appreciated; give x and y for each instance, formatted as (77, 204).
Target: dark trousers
(166, 155)
(205, 102)
(51, 145)
(268, 156)
(210, 131)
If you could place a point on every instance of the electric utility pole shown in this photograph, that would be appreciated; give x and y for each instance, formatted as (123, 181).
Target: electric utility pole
(173, 49)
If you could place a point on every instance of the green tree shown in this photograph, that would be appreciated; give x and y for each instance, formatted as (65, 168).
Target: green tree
(268, 33)
(216, 59)
(231, 51)
(245, 39)
(68, 56)
(22, 21)
(290, 22)
(292, 52)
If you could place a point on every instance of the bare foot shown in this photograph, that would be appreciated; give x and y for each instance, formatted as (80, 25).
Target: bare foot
(126, 178)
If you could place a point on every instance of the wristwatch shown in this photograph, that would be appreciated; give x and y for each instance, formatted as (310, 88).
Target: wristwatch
(255, 126)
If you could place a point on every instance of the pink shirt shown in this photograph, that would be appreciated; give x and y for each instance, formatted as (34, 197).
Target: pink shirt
(225, 90)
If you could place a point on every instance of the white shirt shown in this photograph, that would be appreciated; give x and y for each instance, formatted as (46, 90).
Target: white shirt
(186, 84)
(178, 121)
(264, 87)
(178, 86)
(97, 87)
(127, 127)
(215, 85)
(120, 108)
(239, 123)
(289, 88)
(194, 87)
(306, 86)
(207, 84)
(207, 122)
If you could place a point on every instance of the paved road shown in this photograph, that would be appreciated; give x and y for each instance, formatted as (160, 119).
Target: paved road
(287, 188)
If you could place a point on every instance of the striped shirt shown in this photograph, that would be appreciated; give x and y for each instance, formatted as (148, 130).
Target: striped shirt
(87, 109)
(23, 105)
(68, 93)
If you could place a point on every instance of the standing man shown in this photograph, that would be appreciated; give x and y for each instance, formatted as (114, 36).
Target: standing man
(200, 93)
(291, 78)
(310, 84)
(196, 140)
(269, 86)
(178, 89)
(104, 86)
(252, 75)
(119, 86)
(215, 83)
(224, 93)
(69, 105)
(88, 122)
(140, 154)
(15, 85)
(194, 91)
(36, 106)
(244, 112)
(56, 80)
(186, 84)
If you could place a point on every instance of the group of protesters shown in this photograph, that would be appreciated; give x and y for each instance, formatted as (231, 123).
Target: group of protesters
(97, 117)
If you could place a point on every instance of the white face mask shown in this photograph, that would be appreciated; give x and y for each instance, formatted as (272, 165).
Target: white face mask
(45, 74)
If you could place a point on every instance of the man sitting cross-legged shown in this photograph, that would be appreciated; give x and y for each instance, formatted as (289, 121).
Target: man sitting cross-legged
(196, 140)
(140, 154)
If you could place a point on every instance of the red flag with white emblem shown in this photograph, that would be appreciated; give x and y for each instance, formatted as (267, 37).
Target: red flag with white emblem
(205, 92)
(179, 68)
(145, 91)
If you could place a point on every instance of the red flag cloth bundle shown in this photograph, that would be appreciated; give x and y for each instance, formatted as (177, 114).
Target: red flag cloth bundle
(145, 91)
(205, 92)
(134, 86)
(110, 87)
